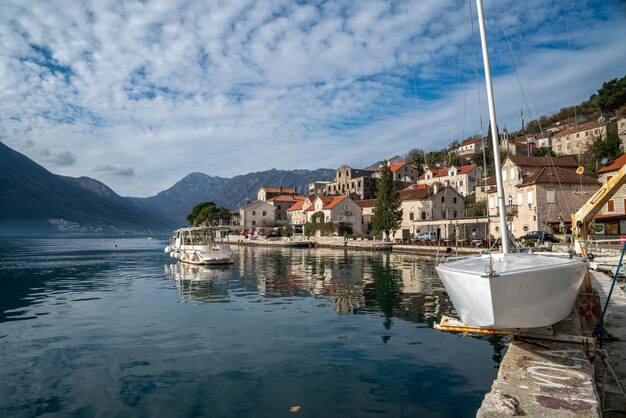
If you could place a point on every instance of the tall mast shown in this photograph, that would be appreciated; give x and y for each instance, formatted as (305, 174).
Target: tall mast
(494, 128)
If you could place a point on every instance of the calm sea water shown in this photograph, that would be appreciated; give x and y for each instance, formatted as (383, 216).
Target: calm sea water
(92, 330)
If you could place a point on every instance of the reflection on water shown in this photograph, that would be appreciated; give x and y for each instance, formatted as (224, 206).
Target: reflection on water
(103, 328)
(205, 284)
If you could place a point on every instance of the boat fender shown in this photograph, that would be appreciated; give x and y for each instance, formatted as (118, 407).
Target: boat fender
(172, 254)
(167, 249)
(184, 257)
(194, 257)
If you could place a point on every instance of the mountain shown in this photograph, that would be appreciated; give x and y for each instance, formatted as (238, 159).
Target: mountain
(176, 202)
(34, 199)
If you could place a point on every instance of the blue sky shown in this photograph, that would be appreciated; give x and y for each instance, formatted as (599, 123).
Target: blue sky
(140, 93)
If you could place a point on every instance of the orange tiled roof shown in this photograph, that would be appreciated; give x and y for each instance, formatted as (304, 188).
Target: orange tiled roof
(296, 206)
(366, 203)
(286, 198)
(614, 166)
(334, 202)
(582, 127)
(471, 141)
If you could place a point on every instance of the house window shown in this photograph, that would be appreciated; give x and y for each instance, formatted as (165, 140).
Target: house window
(278, 207)
(253, 223)
(611, 205)
(520, 199)
(550, 196)
(254, 213)
(461, 183)
(443, 199)
(530, 198)
(454, 213)
(423, 215)
(411, 216)
(264, 213)
(454, 200)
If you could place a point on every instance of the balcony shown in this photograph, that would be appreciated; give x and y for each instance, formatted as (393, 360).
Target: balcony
(511, 210)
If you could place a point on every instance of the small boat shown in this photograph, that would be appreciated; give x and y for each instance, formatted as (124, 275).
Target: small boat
(510, 290)
(199, 246)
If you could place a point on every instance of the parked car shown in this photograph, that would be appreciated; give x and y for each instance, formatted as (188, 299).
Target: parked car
(540, 236)
(426, 236)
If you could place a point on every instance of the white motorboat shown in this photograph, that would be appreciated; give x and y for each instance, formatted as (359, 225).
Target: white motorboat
(510, 290)
(199, 246)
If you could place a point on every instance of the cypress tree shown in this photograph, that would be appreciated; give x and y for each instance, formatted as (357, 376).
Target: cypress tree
(388, 214)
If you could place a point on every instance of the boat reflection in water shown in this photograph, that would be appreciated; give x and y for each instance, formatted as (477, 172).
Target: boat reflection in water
(395, 285)
(203, 284)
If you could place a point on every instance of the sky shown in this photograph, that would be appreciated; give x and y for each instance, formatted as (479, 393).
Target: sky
(138, 94)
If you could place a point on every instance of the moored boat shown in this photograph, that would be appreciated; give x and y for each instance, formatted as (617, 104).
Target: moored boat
(199, 246)
(510, 290)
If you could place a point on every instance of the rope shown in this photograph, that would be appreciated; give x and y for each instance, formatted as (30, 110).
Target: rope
(605, 359)
(599, 330)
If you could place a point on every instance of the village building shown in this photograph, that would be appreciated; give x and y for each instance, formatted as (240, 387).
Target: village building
(257, 214)
(282, 203)
(368, 207)
(353, 181)
(318, 188)
(561, 125)
(538, 190)
(577, 139)
(336, 210)
(527, 143)
(266, 193)
(470, 146)
(429, 209)
(296, 213)
(462, 178)
(481, 189)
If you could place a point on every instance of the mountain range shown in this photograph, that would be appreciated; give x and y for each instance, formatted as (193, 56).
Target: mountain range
(34, 199)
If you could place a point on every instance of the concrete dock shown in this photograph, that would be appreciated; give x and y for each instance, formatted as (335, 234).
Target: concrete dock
(557, 379)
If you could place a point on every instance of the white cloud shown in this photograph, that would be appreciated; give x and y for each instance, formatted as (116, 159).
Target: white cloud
(154, 90)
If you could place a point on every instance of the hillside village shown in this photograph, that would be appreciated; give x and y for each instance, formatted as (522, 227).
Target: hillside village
(447, 195)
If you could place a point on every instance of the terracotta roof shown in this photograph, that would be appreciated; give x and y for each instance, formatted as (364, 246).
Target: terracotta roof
(396, 167)
(558, 175)
(296, 206)
(545, 161)
(491, 181)
(416, 193)
(280, 189)
(367, 203)
(286, 198)
(470, 141)
(614, 166)
(335, 201)
(582, 127)
(325, 201)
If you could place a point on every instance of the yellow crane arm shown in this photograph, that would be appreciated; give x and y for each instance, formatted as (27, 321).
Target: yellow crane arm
(582, 220)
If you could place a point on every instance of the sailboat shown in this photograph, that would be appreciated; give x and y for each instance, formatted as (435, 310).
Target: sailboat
(510, 290)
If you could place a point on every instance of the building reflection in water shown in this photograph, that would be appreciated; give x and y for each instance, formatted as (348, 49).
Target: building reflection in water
(203, 284)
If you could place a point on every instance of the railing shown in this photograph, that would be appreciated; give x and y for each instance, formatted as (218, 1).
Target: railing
(511, 210)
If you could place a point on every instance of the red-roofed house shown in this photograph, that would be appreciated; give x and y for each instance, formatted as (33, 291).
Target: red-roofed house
(256, 214)
(296, 212)
(337, 209)
(577, 139)
(266, 193)
(463, 178)
(282, 203)
(368, 207)
(470, 146)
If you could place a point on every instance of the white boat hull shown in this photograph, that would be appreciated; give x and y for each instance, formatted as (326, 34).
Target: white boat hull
(527, 290)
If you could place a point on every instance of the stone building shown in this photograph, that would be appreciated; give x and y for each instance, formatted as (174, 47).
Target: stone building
(612, 216)
(462, 178)
(368, 207)
(576, 140)
(282, 203)
(429, 209)
(546, 194)
(353, 181)
(337, 209)
(266, 193)
(257, 214)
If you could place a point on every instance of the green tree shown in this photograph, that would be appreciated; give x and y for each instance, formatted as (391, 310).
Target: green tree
(203, 214)
(543, 151)
(388, 214)
(478, 208)
(612, 95)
